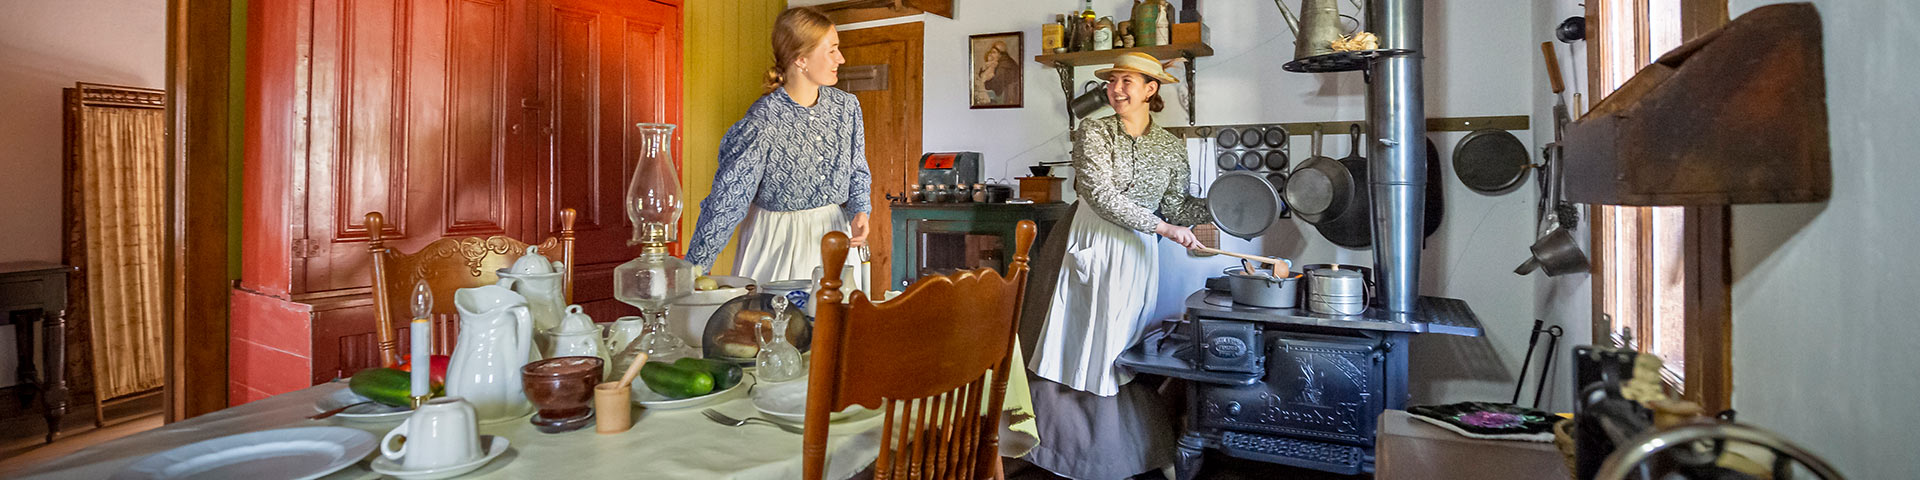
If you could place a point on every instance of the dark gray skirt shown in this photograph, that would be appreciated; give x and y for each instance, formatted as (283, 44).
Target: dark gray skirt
(1089, 437)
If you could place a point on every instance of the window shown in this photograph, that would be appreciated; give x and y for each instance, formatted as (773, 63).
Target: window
(1659, 271)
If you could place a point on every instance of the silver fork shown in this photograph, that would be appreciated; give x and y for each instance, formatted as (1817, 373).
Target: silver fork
(723, 419)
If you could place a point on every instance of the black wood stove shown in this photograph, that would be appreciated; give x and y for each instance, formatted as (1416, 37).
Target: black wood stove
(1290, 386)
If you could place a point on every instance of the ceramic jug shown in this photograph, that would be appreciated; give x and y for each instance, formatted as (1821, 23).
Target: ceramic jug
(578, 336)
(496, 339)
(543, 282)
(623, 332)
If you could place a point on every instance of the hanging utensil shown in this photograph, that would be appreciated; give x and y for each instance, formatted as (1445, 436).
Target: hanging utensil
(1316, 190)
(1353, 226)
(1491, 161)
(1243, 204)
(1315, 29)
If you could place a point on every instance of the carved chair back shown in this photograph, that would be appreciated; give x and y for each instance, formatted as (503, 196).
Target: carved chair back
(447, 264)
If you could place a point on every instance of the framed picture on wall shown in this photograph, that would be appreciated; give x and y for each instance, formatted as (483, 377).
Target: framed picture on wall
(994, 68)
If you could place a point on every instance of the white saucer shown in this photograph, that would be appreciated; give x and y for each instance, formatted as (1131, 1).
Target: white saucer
(494, 445)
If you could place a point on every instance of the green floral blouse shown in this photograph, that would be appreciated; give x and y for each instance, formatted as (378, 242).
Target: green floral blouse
(1126, 179)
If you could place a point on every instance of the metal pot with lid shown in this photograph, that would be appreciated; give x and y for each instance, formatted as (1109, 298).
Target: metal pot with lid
(1261, 289)
(1337, 291)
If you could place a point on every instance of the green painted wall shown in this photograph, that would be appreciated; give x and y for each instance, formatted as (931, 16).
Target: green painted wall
(728, 49)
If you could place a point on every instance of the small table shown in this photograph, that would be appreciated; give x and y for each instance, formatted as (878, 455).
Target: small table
(1411, 448)
(39, 287)
(911, 221)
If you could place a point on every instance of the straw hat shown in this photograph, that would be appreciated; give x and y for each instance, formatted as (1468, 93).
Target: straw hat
(1136, 62)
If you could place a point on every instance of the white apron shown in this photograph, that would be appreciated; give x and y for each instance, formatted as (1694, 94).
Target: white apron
(1108, 278)
(776, 246)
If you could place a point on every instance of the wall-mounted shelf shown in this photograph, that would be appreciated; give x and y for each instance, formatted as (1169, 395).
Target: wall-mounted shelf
(1738, 115)
(1443, 124)
(1063, 64)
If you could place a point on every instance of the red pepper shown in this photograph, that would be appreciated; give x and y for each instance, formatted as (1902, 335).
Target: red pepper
(438, 370)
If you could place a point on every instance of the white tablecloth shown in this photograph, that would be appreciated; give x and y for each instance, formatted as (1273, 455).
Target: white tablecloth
(665, 444)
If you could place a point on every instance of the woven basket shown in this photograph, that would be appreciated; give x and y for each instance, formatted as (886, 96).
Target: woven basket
(1563, 439)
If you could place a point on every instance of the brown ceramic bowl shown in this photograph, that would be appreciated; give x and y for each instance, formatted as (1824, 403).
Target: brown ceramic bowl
(562, 388)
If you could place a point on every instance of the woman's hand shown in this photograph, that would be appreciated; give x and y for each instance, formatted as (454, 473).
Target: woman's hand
(1178, 234)
(858, 230)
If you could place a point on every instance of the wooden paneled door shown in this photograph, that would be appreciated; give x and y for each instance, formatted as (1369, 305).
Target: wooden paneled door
(454, 118)
(605, 66)
(892, 116)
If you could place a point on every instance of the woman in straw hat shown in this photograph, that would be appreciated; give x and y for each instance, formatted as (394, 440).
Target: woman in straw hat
(795, 167)
(1093, 423)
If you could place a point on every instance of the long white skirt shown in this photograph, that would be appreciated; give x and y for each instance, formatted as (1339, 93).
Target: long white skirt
(776, 246)
(1108, 278)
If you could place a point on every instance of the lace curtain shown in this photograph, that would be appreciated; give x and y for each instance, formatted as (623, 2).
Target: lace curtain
(117, 180)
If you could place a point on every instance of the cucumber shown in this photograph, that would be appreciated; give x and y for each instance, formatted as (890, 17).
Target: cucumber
(385, 385)
(725, 374)
(675, 382)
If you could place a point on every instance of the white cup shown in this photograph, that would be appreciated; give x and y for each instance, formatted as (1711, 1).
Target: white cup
(441, 433)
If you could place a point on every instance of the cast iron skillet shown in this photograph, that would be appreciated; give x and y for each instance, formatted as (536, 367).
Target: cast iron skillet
(1352, 226)
(1490, 161)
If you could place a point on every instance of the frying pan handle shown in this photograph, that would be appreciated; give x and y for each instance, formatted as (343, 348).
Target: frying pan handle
(1353, 135)
(1553, 67)
(1317, 133)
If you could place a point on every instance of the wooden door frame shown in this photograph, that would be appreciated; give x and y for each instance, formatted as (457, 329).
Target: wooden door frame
(913, 34)
(199, 65)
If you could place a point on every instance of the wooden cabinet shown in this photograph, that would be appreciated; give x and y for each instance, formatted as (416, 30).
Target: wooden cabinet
(451, 117)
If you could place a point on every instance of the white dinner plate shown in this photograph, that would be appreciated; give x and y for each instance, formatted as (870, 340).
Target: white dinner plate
(302, 453)
(645, 397)
(371, 412)
(787, 401)
(494, 447)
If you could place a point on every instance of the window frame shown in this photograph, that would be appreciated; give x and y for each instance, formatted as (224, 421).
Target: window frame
(1706, 279)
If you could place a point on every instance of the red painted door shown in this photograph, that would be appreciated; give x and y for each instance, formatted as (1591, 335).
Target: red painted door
(452, 118)
(604, 66)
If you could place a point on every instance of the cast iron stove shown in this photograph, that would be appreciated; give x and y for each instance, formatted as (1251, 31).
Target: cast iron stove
(1286, 385)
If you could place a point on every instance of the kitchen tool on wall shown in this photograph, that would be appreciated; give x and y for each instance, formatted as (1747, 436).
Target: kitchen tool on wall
(1315, 28)
(1436, 194)
(1556, 253)
(1490, 161)
(1251, 160)
(1316, 190)
(1546, 364)
(1275, 138)
(1089, 101)
(1278, 178)
(1243, 204)
(1352, 227)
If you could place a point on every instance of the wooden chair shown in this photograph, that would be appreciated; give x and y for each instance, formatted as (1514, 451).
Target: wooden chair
(935, 360)
(447, 264)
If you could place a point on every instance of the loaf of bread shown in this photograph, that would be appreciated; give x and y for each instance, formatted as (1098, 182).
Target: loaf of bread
(740, 340)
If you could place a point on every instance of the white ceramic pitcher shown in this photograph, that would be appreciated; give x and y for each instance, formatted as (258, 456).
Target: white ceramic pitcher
(496, 339)
(543, 282)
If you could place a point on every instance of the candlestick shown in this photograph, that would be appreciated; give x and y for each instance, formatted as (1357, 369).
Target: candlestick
(421, 361)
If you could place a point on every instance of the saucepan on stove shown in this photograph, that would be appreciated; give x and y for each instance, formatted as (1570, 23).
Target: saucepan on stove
(1264, 288)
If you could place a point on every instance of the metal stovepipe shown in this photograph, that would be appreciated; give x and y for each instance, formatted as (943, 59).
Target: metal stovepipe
(1397, 119)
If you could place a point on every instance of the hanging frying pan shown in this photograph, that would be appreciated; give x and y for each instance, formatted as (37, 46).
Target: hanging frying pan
(1436, 202)
(1243, 204)
(1490, 161)
(1352, 227)
(1311, 188)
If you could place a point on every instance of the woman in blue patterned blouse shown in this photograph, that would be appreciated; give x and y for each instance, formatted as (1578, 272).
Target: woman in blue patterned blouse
(795, 167)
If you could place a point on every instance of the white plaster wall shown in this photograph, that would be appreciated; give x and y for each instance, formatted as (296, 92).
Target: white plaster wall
(1479, 62)
(1824, 302)
(46, 45)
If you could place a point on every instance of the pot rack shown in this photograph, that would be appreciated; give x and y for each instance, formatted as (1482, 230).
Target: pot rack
(1438, 124)
(1063, 63)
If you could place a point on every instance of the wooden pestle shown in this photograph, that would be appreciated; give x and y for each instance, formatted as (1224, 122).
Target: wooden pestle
(612, 401)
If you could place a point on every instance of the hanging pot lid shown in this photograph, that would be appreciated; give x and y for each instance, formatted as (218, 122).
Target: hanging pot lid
(1490, 161)
(1243, 204)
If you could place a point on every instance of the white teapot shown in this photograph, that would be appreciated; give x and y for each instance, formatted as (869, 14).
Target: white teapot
(577, 336)
(543, 282)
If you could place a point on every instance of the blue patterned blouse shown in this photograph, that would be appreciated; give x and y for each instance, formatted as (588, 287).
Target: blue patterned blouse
(784, 157)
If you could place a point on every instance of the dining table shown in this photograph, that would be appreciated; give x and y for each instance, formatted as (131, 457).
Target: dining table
(663, 444)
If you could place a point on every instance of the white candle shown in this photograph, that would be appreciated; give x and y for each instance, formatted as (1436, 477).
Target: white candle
(422, 360)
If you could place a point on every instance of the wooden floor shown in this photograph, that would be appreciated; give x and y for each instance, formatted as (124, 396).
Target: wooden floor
(1215, 467)
(23, 437)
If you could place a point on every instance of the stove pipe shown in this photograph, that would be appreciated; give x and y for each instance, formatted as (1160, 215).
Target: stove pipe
(1397, 120)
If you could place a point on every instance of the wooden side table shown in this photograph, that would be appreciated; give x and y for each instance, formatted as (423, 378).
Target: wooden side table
(39, 287)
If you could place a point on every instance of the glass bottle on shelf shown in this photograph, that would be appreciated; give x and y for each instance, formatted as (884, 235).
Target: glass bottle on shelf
(778, 361)
(655, 279)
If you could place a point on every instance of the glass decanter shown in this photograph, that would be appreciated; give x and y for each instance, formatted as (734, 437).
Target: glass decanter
(654, 280)
(778, 361)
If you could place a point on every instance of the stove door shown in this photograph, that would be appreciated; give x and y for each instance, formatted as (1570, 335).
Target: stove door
(1320, 387)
